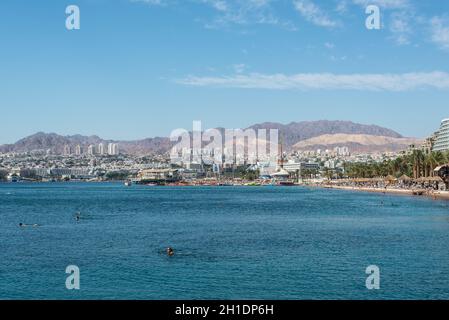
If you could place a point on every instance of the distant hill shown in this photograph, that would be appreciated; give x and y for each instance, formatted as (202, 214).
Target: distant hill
(44, 141)
(356, 143)
(294, 132)
(296, 136)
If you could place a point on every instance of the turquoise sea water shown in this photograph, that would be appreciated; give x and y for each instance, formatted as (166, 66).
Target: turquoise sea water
(230, 242)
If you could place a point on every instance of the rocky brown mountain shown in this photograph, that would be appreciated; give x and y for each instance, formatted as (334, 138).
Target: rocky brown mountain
(292, 135)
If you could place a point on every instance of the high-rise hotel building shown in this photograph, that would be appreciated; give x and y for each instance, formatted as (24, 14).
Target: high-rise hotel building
(113, 149)
(442, 137)
(91, 150)
(67, 150)
(78, 150)
(101, 149)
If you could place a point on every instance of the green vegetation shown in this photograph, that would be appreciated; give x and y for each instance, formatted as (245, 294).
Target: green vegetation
(117, 175)
(332, 173)
(415, 165)
(251, 175)
(309, 173)
(241, 172)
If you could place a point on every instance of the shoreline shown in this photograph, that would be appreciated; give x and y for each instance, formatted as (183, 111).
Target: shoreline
(437, 195)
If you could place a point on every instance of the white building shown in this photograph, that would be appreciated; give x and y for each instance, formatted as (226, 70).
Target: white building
(442, 137)
(341, 151)
(293, 166)
(101, 149)
(113, 149)
(330, 164)
(67, 150)
(91, 150)
(78, 150)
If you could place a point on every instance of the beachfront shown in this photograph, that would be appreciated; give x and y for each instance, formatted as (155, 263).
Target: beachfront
(441, 195)
(433, 187)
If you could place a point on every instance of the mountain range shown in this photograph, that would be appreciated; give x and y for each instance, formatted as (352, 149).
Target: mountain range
(305, 135)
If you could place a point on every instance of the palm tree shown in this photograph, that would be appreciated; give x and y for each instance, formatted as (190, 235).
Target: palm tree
(440, 158)
(418, 163)
(396, 166)
(328, 173)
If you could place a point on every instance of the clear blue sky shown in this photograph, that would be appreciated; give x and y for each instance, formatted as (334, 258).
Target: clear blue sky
(141, 68)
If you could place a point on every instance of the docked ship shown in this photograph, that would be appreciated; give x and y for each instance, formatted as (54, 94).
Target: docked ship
(287, 183)
(158, 176)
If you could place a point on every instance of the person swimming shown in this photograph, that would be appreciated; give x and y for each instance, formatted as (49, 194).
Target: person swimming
(78, 216)
(22, 225)
(170, 252)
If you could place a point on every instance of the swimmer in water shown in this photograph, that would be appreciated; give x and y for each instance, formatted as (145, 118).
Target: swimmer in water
(22, 225)
(170, 252)
(78, 216)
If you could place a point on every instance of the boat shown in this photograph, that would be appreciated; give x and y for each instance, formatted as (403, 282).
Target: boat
(287, 183)
(252, 184)
(128, 183)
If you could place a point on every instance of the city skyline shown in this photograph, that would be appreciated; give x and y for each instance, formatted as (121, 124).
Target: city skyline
(227, 63)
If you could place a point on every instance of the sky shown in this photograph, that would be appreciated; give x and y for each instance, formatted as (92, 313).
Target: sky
(142, 68)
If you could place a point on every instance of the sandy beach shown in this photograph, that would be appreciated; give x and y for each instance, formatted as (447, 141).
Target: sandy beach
(438, 195)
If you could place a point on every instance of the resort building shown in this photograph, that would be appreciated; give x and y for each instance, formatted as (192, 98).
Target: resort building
(294, 166)
(78, 150)
(341, 151)
(428, 145)
(42, 173)
(442, 137)
(101, 149)
(158, 176)
(91, 150)
(113, 149)
(67, 150)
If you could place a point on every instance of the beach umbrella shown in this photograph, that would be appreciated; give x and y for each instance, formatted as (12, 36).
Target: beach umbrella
(405, 178)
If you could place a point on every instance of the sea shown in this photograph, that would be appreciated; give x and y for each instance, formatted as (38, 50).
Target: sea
(292, 243)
